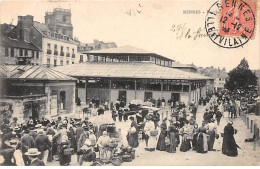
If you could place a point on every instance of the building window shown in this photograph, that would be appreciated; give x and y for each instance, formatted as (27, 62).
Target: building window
(26, 52)
(61, 62)
(68, 49)
(37, 55)
(6, 52)
(21, 52)
(72, 62)
(55, 47)
(72, 51)
(12, 52)
(219, 79)
(67, 62)
(81, 58)
(48, 62)
(55, 63)
(48, 46)
(32, 54)
(64, 19)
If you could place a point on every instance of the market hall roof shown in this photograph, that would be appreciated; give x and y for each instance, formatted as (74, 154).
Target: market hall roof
(142, 70)
(124, 50)
(28, 72)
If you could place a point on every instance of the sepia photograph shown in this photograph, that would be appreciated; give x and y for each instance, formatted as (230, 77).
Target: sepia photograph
(129, 83)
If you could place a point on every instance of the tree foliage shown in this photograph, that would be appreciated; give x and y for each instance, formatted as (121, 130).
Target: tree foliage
(241, 78)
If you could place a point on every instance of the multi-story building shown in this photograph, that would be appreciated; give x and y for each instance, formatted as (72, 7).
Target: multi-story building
(58, 49)
(17, 50)
(34, 43)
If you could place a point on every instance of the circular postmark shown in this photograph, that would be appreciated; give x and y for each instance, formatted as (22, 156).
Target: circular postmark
(230, 23)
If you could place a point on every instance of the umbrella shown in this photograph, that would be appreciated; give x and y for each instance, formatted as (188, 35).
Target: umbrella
(257, 99)
(150, 104)
(136, 102)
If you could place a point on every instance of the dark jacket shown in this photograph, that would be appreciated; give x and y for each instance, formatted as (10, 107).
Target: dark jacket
(26, 143)
(42, 142)
(37, 162)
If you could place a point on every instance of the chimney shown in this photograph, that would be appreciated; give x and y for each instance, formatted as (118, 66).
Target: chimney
(24, 27)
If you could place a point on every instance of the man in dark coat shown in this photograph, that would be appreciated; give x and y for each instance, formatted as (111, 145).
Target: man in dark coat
(43, 144)
(25, 144)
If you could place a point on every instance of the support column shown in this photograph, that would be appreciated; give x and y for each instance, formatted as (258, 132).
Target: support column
(109, 92)
(161, 89)
(86, 82)
(189, 100)
(135, 89)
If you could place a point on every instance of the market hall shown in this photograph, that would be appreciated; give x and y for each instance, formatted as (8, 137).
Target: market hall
(128, 73)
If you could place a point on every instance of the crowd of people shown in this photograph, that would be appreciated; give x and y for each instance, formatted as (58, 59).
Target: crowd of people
(43, 140)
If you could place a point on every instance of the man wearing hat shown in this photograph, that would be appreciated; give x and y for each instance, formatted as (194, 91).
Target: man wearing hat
(33, 154)
(8, 155)
(218, 116)
(26, 143)
(212, 131)
(83, 137)
(43, 144)
(33, 132)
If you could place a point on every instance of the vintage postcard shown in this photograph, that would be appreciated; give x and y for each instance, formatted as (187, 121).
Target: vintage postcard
(129, 83)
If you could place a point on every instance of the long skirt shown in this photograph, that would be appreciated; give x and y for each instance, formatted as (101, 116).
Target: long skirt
(133, 140)
(229, 146)
(202, 145)
(172, 147)
(194, 141)
(151, 143)
(185, 144)
(161, 142)
(211, 140)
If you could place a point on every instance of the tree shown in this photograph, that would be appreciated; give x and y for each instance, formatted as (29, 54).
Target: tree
(241, 78)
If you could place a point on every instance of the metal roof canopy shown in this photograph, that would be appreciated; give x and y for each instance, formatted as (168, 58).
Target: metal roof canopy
(28, 72)
(125, 51)
(132, 70)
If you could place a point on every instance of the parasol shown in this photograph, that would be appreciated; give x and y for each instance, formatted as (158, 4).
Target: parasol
(150, 104)
(136, 102)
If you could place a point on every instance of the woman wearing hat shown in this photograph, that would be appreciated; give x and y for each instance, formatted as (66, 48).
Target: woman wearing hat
(202, 143)
(229, 145)
(65, 159)
(161, 141)
(132, 136)
(33, 154)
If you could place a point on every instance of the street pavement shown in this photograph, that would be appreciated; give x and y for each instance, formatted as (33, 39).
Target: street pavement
(246, 155)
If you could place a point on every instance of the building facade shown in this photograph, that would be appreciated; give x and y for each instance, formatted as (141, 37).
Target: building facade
(36, 91)
(128, 73)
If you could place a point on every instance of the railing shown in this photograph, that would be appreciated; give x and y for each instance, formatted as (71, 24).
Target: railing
(49, 51)
(55, 52)
(62, 53)
(73, 55)
(67, 54)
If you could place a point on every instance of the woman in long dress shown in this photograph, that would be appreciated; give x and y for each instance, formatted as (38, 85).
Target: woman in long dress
(161, 141)
(133, 136)
(202, 143)
(229, 146)
(150, 139)
(171, 148)
(185, 144)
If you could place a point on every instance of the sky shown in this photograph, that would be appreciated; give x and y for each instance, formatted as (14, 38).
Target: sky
(143, 24)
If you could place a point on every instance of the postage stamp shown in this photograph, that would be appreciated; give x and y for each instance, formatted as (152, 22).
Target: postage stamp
(231, 23)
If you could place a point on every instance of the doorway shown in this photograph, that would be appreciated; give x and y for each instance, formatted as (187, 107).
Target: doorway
(148, 96)
(62, 100)
(175, 97)
(122, 95)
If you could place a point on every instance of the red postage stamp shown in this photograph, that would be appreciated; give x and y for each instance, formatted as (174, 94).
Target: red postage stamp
(231, 23)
